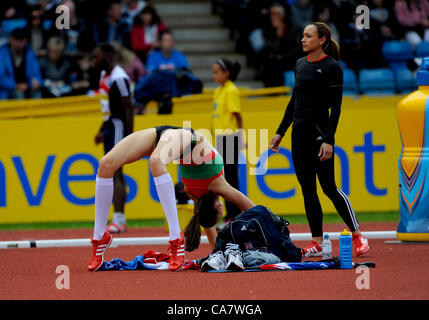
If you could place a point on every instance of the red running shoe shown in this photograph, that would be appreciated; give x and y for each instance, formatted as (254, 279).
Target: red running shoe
(98, 248)
(313, 250)
(177, 253)
(361, 244)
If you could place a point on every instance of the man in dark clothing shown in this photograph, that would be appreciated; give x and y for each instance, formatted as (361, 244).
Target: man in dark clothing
(107, 28)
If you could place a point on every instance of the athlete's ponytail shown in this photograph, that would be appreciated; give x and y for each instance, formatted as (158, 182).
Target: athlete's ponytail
(334, 49)
(205, 215)
(330, 47)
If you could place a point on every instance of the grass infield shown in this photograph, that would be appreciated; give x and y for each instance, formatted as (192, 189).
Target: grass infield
(387, 216)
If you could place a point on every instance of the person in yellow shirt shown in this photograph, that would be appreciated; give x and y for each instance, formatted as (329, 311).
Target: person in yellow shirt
(227, 124)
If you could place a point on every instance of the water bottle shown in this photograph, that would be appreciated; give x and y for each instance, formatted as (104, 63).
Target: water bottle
(346, 252)
(326, 247)
(413, 120)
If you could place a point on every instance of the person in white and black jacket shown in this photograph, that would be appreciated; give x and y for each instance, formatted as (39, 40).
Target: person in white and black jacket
(318, 89)
(118, 120)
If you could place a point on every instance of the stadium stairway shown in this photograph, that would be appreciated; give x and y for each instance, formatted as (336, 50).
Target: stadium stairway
(200, 35)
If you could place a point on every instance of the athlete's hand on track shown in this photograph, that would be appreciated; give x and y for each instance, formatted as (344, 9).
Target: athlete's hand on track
(275, 141)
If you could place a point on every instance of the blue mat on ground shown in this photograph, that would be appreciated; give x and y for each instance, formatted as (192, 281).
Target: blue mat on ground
(152, 260)
(135, 264)
(140, 263)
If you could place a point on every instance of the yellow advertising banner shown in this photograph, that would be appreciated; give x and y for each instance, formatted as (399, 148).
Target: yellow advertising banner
(48, 165)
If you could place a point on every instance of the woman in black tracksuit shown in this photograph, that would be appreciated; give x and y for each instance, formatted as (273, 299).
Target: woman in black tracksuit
(318, 88)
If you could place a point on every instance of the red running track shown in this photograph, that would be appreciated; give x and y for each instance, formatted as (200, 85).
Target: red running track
(401, 273)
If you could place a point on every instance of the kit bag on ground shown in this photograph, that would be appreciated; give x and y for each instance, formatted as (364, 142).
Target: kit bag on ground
(260, 229)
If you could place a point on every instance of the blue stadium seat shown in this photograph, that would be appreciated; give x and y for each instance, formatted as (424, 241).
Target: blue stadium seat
(289, 77)
(397, 50)
(422, 49)
(350, 82)
(377, 81)
(406, 81)
(8, 25)
(397, 53)
(343, 64)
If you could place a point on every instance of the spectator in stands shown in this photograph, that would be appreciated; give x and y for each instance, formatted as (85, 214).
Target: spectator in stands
(342, 13)
(10, 10)
(167, 57)
(281, 47)
(169, 76)
(241, 17)
(56, 69)
(302, 13)
(37, 36)
(129, 61)
(106, 29)
(258, 14)
(131, 9)
(257, 20)
(70, 35)
(85, 77)
(81, 80)
(383, 18)
(361, 48)
(48, 9)
(413, 16)
(144, 34)
(19, 69)
(12, 16)
(322, 13)
(6, 10)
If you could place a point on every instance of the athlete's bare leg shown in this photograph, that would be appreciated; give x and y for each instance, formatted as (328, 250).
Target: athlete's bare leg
(130, 149)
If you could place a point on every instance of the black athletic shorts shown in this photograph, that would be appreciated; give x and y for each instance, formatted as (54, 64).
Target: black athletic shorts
(113, 132)
(160, 130)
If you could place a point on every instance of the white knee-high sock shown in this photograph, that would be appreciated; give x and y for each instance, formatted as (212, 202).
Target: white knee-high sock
(103, 201)
(165, 189)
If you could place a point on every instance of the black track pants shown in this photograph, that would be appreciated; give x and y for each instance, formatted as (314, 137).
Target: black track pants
(305, 150)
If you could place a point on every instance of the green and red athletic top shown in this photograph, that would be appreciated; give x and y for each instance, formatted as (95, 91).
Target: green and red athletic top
(197, 176)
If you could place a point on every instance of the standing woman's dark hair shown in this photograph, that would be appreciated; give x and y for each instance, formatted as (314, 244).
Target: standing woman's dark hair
(232, 67)
(205, 215)
(330, 47)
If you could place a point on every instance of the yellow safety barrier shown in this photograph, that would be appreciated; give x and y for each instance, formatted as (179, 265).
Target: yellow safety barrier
(48, 164)
(85, 105)
(52, 107)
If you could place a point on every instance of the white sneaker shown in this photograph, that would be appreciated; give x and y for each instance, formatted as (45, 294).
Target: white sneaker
(234, 257)
(215, 261)
(118, 223)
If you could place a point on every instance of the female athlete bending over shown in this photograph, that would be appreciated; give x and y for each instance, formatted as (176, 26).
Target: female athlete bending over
(201, 169)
